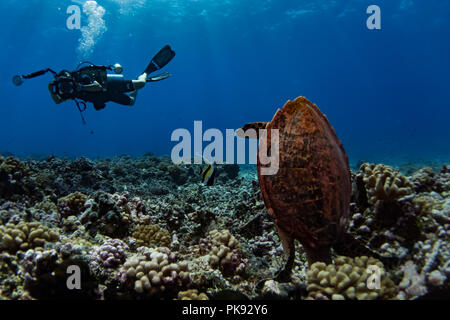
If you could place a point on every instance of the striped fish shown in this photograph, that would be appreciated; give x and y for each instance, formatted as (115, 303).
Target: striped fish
(208, 175)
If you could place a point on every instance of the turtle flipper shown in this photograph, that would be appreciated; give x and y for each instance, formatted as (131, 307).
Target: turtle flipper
(284, 275)
(251, 130)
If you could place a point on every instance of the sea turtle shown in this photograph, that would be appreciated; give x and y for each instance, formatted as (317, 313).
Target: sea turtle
(309, 197)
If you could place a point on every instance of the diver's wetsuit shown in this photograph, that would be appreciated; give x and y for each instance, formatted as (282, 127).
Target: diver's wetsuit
(94, 84)
(116, 91)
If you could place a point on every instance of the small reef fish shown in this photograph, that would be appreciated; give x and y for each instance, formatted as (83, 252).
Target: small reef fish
(208, 175)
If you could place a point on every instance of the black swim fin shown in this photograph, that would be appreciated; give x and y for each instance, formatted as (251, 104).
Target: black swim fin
(161, 59)
(159, 77)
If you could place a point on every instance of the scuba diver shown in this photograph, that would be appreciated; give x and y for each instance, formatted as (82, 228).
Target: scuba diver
(93, 84)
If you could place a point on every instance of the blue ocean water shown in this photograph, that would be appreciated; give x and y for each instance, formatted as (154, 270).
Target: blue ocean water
(386, 92)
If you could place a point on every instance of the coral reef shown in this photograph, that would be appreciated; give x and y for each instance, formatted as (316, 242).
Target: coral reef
(15, 179)
(192, 294)
(104, 216)
(384, 216)
(25, 235)
(349, 279)
(151, 234)
(413, 284)
(110, 254)
(71, 205)
(155, 271)
(384, 183)
(142, 228)
(224, 252)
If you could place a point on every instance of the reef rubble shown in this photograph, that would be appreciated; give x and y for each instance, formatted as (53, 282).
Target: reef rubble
(144, 228)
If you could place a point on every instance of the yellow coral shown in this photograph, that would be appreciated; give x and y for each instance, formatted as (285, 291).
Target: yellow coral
(46, 205)
(72, 204)
(223, 242)
(225, 238)
(151, 234)
(348, 279)
(424, 205)
(384, 183)
(25, 235)
(192, 294)
(224, 248)
(151, 272)
(15, 179)
(14, 167)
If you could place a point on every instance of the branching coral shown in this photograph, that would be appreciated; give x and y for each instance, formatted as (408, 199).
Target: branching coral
(133, 206)
(46, 205)
(348, 279)
(384, 183)
(26, 235)
(110, 254)
(413, 284)
(423, 179)
(192, 294)
(14, 177)
(432, 258)
(72, 204)
(145, 195)
(14, 167)
(384, 215)
(155, 271)
(11, 279)
(36, 263)
(104, 216)
(424, 205)
(151, 234)
(224, 252)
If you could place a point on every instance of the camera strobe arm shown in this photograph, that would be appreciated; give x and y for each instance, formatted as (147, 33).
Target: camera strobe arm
(38, 73)
(18, 80)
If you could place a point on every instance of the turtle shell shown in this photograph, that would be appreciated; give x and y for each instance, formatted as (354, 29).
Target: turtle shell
(309, 196)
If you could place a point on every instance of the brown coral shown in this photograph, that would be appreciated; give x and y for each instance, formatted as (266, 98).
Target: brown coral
(192, 294)
(25, 235)
(14, 178)
(224, 252)
(155, 271)
(151, 234)
(424, 204)
(382, 182)
(348, 279)
(14, 167)
(424, 179)
(72, 204)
